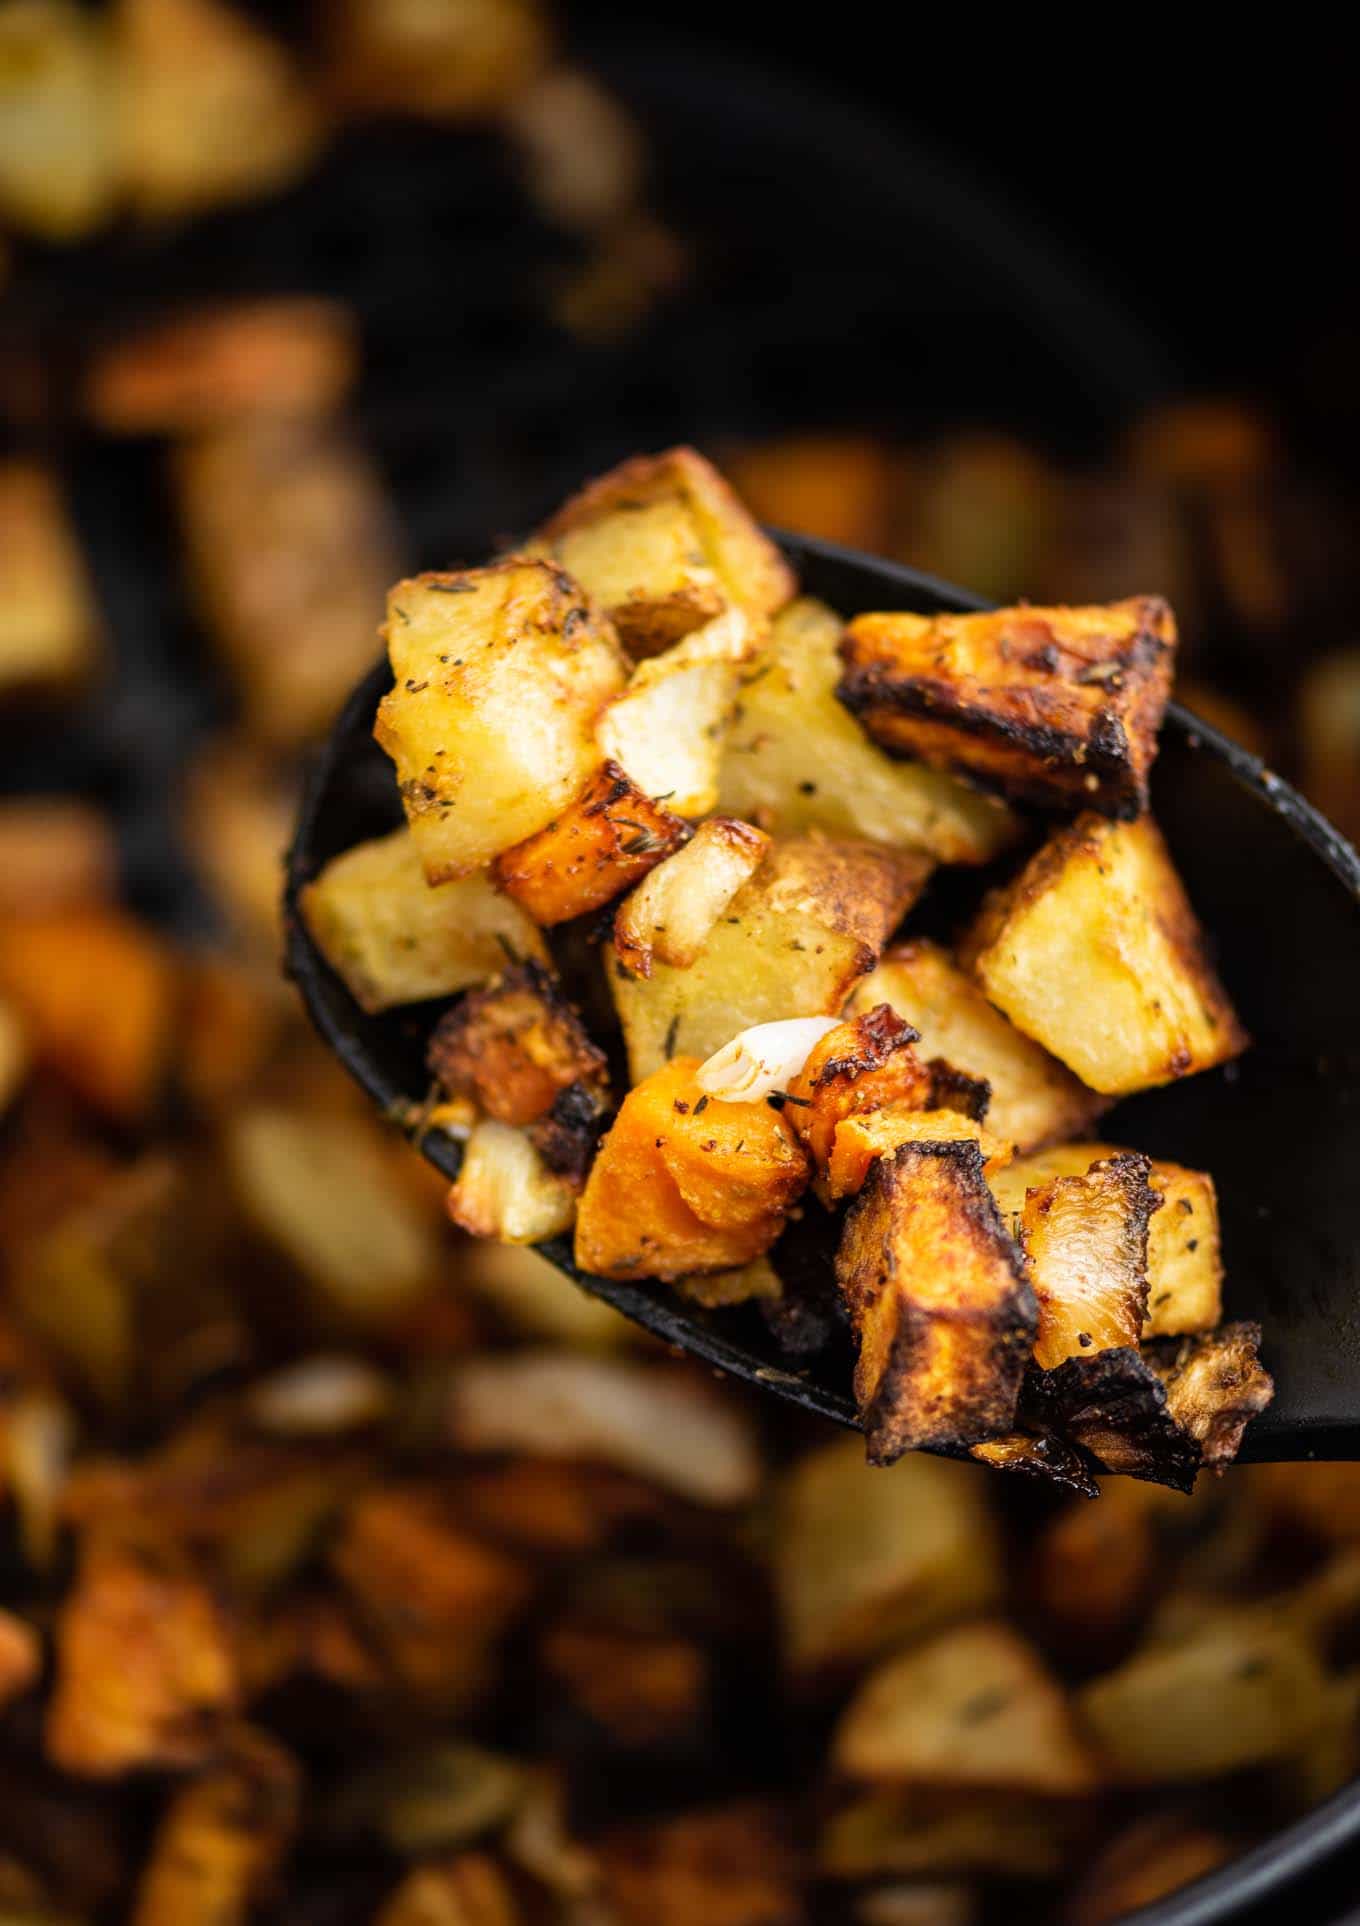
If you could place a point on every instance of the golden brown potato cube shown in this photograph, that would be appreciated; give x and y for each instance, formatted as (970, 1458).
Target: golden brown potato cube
(291, 549)
(210, 109)
(393, 939)
(203, 369)
(731, 1866)
(921, 1832)
(1215, 1385)
(49, 629)
(1184, 1261)
(791, 942)
(861, 1140)
(500, 675)
(975, 1706)
(455, 60)
(1149, 1860)
(506, 1190)
(57, 159)
(663, 545)
(1094, 951)
(687, 1183)
(221, 1838)
(1053, 706)
(938, 1300)
(1034, 1100)
(55, 852)
(668, 917)
(1085, 1241)
(668, 725)
(795, 760)
(865, 1560)
(864, 1063)
(514, 1047)
(604, 841)
(145, 1670)
(468, 1889)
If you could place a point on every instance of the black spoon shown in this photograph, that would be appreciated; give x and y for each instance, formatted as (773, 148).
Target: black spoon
(1278, 889)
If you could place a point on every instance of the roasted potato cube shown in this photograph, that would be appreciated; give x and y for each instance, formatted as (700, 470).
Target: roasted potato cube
(57, 162)
(210, 109)
(1038, 1454)
(291, 548)
(95, 993)
(320, 1190)
(1053, 706)
(393, 939)
(1184, 1265)
(206, 368)
(922, 1832)
(791, 942)
(663, 545)
(866, 1560)
(500, 675)
(54, 853)
(1034, 1100)
(1215, 1385)
(146, 1673)
(861, 1140)
(456, 60)
(974, 1706)
(1237, 1690)
(668, 1427)
(220, 1839)
(49, 629)
(506, 1190)
(732, 1866)
(604, 841)
(668, 917)
(794, 760)
(467, 1890)
(515, 1046)
(864, 1063)
(1149, 1860)
(1085, 1241)
(685, 1182)
(667, 726)
(939, 1302)
(1094, 951)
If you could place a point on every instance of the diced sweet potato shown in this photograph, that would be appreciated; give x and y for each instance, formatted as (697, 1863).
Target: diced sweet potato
(1085, 1241)
(791, 942)
(861, 1140)
(663, 545)
(513, 1046)
(1054, 706)
(794, 759)
(1094, 951)
(685, 1182)
(862, 1064)
(1034, 1100)
(939, 1302)
(1184, 1262)
(668, 917)
(601, 844)
(500, 674)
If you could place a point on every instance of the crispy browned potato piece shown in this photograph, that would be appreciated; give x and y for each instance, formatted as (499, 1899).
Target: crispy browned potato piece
(50, 633)
(1085, 1241)
(792, 941)
(663, 545)
(456, 60)
(285, 356)
(146, 1673)
(291, 548)
(515, 1046)
(1056, 707)
(603, 842)
(685, 1182)
(860, 1140)
(55, 852)
(1034, 1100)
(1149, 1860)
(731, 1866)
(864, 1063)
(57, 160)
(973, 1707)
(1184, 1262)
(795, 760)
(500, 675)
(866, 1561)
(1095, 952)
(668, 917)
(211, 109)
(938, 1300)
(221, 1838)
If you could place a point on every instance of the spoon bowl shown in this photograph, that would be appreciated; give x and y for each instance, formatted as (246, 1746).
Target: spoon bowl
(1278, 891)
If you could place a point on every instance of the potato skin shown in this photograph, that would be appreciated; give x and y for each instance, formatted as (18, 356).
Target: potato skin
(1054, 707)
(939, 1301)
(602, 844)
